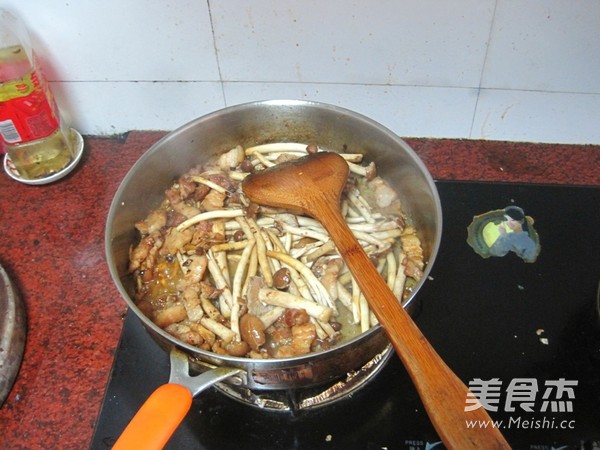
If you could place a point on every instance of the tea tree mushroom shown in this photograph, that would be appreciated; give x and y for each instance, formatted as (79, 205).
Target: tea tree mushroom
(223, 274)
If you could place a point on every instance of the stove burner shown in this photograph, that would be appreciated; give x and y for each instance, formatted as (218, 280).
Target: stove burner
(296, 400)
(499, 301)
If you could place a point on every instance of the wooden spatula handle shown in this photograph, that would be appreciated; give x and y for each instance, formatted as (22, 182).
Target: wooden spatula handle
(443, 394)
(313, 185)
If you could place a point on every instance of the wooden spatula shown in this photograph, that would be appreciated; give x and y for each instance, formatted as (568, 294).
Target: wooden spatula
(313, 184)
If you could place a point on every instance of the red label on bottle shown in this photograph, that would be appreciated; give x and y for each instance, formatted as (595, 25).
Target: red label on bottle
(27, 110)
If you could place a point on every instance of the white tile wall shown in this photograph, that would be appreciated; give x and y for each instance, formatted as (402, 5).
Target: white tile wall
(534, 116)
(548, 46)
(408, 110)
(522, 70)
(116, 107)
(414, 43)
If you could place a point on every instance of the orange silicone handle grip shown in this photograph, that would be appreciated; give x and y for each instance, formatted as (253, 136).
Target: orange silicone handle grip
(157, 419)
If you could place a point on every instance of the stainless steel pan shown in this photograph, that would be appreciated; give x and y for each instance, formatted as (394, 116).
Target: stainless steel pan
(257, 123)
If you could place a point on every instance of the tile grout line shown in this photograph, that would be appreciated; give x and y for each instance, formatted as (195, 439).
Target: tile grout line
(325, 83)
(214, 39)
(485, 59)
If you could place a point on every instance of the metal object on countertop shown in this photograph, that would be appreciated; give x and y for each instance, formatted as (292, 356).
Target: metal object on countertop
(12, 334)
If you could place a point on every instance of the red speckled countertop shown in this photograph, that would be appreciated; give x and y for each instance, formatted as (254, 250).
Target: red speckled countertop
(52, 246)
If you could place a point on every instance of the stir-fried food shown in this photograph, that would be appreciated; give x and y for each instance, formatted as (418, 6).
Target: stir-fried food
(234, 278)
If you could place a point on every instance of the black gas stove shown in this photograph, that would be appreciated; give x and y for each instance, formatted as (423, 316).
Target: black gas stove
(527, 335)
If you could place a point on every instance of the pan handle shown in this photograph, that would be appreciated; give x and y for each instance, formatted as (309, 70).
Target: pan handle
(157, 419)
(163, 411)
